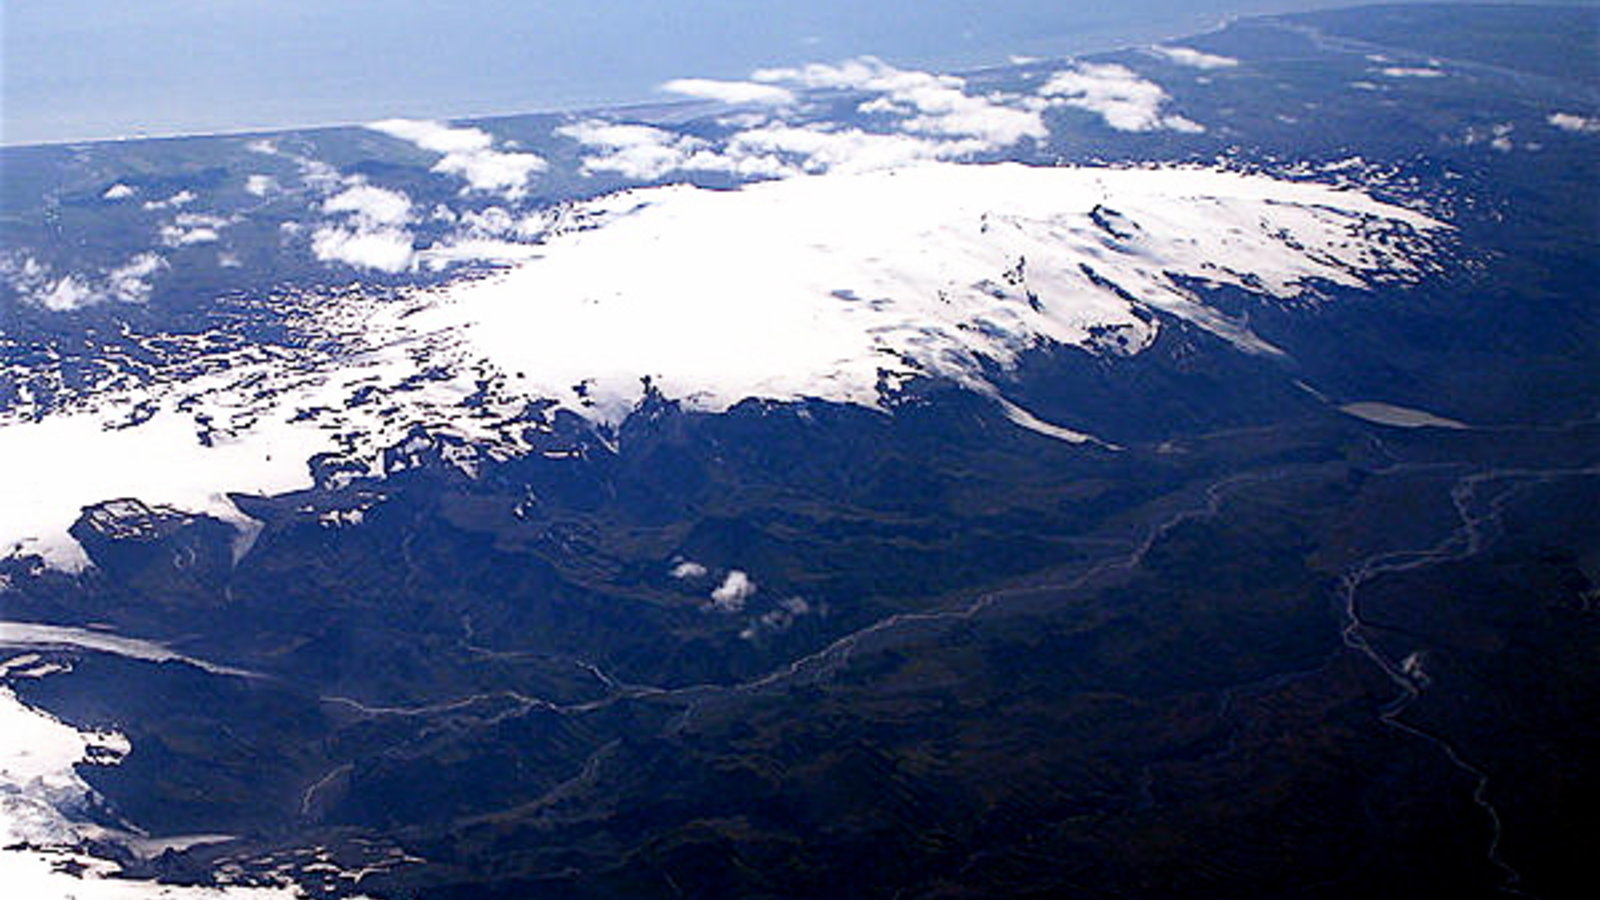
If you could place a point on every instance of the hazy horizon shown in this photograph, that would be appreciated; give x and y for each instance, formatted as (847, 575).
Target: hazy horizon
(75, 70)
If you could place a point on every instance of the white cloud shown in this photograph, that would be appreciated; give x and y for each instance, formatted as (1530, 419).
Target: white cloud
(688, 569)
(371, 225)
(193, 228)
(1412, 72)
(173, 236)
(371, 207)
(823, 148)
(776, 620)
(1574, 123)
(181, 198)
(645, 153)
(1498, 137)
(923, 117)
(932, 104)
(260, 185)
(862, 73)
(1120, 96)
(119, 191)
(1195, 59)
(640, 152)
(735, 92)
(383, 249)
(496, 221)
(458, 249)
(66, 294)
(130, 282)
(373, 233)
(468, 153)
(316, 174)
(730, 596)
(36, 283)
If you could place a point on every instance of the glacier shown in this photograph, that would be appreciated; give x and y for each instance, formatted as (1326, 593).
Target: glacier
(834, 287)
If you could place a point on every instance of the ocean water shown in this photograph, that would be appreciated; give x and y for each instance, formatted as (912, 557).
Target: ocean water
(82, 69)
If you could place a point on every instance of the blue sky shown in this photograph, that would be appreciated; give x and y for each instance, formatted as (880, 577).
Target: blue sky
(78, 69)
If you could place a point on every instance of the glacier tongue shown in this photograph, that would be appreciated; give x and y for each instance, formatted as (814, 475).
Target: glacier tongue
(823, 286)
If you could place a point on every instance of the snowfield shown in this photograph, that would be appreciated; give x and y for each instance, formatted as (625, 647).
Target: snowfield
(830, 286)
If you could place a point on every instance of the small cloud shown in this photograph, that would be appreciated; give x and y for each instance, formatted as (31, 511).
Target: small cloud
(181, 198)
(373, 234)
(66, 294)
(730, 596)
(1498, 137)
(735, 92)
(455, 250)
(776, 621)
(130, 282)
(370, 206)
(37, 284)
(1412, 72)
(193, 228)
(260, 185)
(645, 153)
(1120, 96)
(933, 104)
(823, 148)
(385, 249)
(173, 236)
(119, 191)
(1575, 124)
(1194, 59)
(688, 569)
(468, 153)
(862, 73)
(640, 152)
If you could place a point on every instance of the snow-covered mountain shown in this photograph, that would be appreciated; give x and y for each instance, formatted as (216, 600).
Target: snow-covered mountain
(848, 480)
(834, 287)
